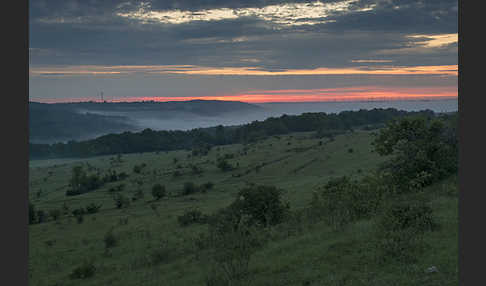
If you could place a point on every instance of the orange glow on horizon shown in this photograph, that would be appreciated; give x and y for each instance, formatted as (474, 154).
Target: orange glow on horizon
(365, 93)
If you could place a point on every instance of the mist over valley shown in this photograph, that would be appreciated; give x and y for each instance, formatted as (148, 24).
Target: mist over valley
(62, 122)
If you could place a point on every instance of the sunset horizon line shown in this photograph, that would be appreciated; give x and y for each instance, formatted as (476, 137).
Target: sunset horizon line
(186, 99)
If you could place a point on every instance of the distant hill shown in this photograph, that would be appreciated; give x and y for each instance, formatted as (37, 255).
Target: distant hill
(50, 123)
(148, 140)
(58, 122)
(198, 107)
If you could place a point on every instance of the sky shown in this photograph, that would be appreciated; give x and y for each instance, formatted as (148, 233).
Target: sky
(246, 50)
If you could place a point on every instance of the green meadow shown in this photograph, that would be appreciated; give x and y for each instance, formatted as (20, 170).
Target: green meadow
(153, 248)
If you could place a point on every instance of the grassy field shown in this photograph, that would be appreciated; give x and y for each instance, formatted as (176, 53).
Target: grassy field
(310, 253)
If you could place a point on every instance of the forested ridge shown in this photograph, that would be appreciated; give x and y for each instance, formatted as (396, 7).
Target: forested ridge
(149, 140)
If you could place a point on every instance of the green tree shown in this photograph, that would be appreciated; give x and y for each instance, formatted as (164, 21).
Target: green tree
(262, 204)
(422, 151)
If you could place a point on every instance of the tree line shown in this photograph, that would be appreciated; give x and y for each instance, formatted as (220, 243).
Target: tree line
(149, 140)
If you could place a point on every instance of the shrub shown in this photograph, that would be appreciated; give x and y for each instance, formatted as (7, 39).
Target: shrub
(138, 168)
(80, 218)
(41, 216)
(343, 200)
(78, 211)
(262, 204)
(191, 216)
(158, 191)
(121, 201)
(196, 170)
(122, 176)
(109, 239)
(400, 228)
(207, 186)
(423, 151)
(55, 214)
(65, 208)
(86, 270)
(81, 183)
(189, 188)
(231, 251)
(224, 165)
(117, 188)
(92, 208)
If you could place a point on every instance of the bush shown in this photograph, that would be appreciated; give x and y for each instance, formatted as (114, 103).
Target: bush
(192, 216)
(41, 216)
(92, 208)
(81, 183)
(423, 151)
(189, 188)
(196, 170)
(343, 200)
(55, 214)
(80, 218)
(224, 165)
(117, 188)
(110, 239)
(262, 204)
(86, 270)
(121, 201)
(78, 211)
(158, 191)
(65, 208)
(231, 252)
(400, 228)
(207, 186)
(138, 168)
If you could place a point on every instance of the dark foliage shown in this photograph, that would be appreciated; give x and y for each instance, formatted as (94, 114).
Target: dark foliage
(158, 191)
(92, 208)
(55, 214)
(224, 165)
(81, 182)
(192, 216)
(189, 188)
(110, 239)
(86, 270)
(257, 205)
(32, 213)
(121, 201)
(150, 141)
(400, 229)
(424, 151)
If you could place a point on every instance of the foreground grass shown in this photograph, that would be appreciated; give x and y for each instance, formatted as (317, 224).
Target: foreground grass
(309, 253)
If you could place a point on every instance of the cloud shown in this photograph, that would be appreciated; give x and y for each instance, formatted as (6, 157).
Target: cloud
(447, 70)
(287, 14)
(434, 41)
(250, 41)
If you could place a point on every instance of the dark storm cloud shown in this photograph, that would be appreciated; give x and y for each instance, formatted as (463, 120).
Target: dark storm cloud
(430, 16)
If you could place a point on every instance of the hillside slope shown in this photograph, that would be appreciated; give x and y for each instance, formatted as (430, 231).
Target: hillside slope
(153, 248)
